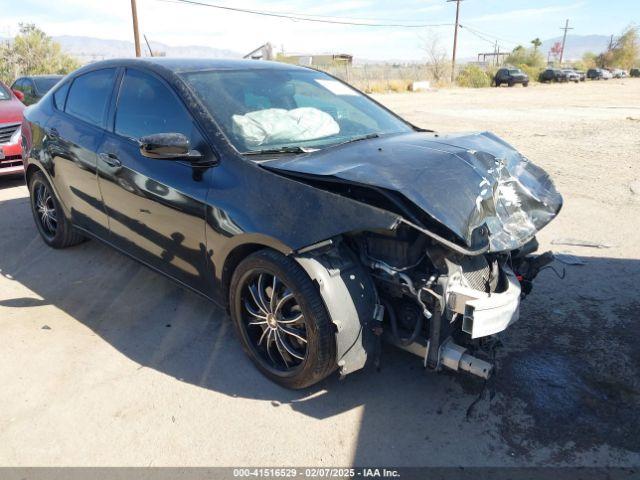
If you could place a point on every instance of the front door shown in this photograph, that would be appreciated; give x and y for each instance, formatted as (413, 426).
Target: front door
(156, 208)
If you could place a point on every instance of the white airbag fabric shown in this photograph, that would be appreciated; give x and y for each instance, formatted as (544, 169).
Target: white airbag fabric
(277, 125)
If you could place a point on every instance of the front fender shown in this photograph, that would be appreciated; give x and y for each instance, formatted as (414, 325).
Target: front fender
(350, 297)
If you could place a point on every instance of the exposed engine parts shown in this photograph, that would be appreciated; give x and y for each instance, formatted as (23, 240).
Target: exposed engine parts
(437, 303)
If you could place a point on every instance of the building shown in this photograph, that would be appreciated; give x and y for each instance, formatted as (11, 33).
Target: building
(317, 60)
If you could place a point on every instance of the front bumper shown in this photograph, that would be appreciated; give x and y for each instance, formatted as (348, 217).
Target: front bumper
(486, 313)
(11, 159)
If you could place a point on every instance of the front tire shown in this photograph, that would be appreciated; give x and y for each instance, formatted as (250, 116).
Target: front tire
(52, 224)
(281, 320)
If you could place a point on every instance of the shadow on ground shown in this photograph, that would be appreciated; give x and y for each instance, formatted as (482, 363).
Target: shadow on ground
(567, 380)
(11, 181)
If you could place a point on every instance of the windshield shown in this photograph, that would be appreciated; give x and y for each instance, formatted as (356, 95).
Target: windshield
(4, 93)
(514, 71)
(44, 84)
(265, 109)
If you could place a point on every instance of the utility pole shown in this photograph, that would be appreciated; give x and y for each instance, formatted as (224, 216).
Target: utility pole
(136, 33)
(495, 53)
(455, 40)
(564, 39)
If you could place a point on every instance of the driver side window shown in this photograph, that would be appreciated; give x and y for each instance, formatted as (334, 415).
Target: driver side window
(147, 106)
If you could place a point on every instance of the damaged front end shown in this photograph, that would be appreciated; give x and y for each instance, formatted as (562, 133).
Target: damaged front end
(453, 269)
(403, 287)
(439, 304)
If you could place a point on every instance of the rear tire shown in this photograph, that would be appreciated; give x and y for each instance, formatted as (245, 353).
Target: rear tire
(525, 84)
(51, 222)
(281, 320)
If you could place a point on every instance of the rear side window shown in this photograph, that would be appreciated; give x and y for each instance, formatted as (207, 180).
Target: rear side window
(18, 85)
(60, 96)
(147, 106)
(89, 95)
(28, 88)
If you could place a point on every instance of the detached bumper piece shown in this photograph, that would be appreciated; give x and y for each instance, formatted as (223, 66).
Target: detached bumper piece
(486, 313)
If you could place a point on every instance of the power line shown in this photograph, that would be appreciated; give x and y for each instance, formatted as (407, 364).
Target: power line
(303, 17)
(506, 40)
(479, 35)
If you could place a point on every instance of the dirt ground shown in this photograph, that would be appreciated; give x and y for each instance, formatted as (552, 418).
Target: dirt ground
(103, 362)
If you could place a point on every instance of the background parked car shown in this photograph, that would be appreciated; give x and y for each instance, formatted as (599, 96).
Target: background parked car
(34, 87)
(598, 74)
(635, 72)
(511, 76)
(10, 120)
(553, 75)
(582, 74)
(619, 73)
(572, 75)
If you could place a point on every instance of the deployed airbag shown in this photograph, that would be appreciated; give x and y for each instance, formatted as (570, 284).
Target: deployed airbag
(277, 126)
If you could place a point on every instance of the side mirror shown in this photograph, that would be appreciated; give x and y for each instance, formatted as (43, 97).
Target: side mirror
(19, 95)
(167, 146)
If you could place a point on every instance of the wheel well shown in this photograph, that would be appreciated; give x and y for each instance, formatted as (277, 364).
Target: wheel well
(232, 261)
(31, 169)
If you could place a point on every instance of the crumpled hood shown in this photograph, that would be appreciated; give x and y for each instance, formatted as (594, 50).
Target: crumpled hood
(465, 182)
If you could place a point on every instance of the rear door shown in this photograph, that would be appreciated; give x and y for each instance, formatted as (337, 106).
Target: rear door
(156, 207)
(74, 133)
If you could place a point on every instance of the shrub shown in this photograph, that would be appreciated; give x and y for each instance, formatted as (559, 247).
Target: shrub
(473, 76)
(532, 72)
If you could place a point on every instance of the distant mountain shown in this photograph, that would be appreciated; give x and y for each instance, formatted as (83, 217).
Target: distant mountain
(89, 49)
(577, 45)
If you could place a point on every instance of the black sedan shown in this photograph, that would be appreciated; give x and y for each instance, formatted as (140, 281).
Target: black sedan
(321, 220)
(553, 75)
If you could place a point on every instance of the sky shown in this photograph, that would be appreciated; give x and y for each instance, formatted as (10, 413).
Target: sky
(510, 22)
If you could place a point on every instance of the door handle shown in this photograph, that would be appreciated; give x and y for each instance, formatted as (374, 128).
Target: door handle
(110, 159)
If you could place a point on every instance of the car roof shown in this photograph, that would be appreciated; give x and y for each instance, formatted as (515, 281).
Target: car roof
(178, 65)
(40, 76)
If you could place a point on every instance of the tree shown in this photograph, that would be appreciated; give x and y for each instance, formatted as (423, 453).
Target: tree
(32, 52)
(437, 59)
(623, 52)
(523, 56)
(626, 50)
(589, 60)
(536, 44)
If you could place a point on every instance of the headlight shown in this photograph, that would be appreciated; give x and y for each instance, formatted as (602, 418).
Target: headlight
(16, 135)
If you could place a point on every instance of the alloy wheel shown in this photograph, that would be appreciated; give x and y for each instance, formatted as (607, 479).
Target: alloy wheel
(46, 209)
(273, 321)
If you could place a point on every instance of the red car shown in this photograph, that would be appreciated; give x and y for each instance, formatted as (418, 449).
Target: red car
(11, 109)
